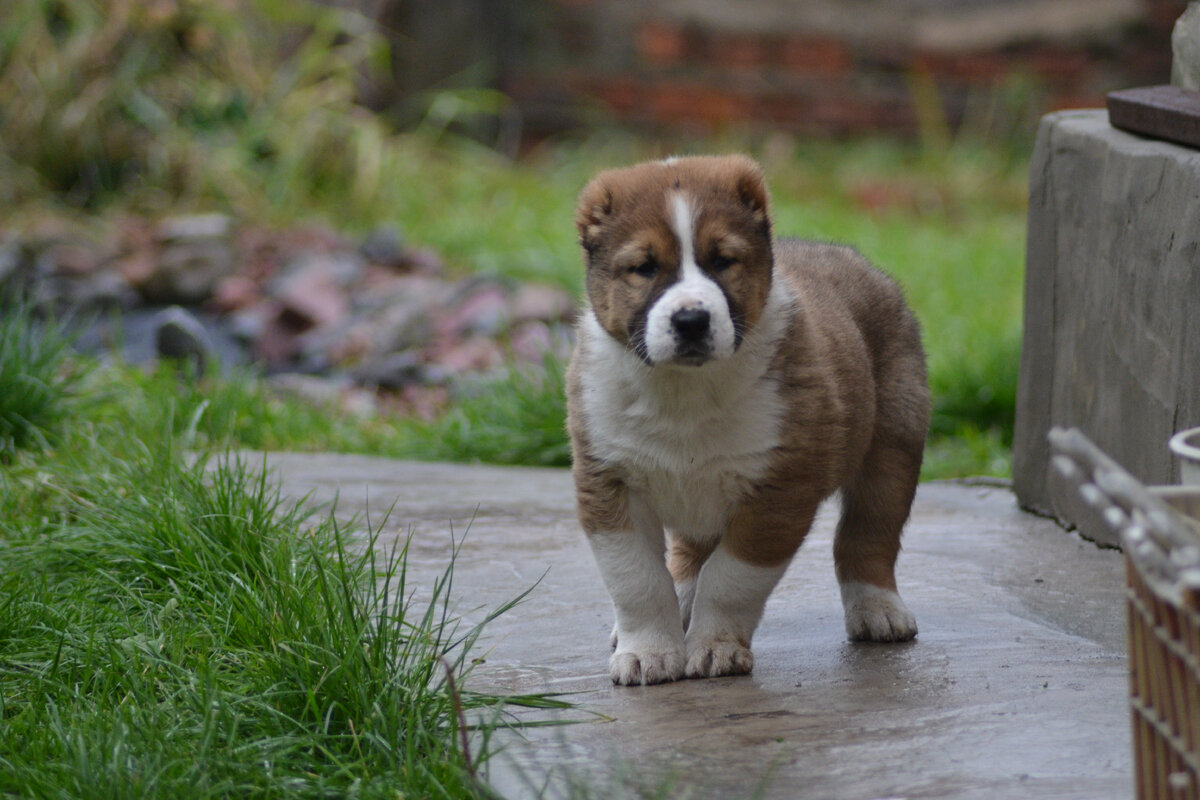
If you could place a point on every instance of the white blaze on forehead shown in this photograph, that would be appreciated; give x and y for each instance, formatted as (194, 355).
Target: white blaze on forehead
(693, 290)
(681, 217)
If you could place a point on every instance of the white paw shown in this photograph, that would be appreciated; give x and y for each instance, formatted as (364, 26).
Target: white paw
(712, 658)
(876, 615)
(629, 668)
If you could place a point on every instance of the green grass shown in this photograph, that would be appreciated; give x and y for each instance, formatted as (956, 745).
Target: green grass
(517, 418)
(514, 418)
(170, 627)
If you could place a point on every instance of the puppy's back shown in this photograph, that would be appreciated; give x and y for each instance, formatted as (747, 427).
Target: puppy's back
(834, 279)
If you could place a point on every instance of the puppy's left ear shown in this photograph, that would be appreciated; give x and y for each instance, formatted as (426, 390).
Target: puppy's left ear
(751, 186)
(595, 206)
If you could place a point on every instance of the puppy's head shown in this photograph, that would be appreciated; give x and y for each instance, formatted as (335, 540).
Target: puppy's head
(678, 255)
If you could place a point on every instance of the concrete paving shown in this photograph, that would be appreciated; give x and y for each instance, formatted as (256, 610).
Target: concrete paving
(1015, 687)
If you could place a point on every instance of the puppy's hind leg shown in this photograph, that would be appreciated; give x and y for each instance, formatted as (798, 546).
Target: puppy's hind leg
(875, 506)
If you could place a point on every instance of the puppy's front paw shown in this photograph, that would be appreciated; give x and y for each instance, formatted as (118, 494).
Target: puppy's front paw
(876, 615)
(646, 667)
(713, 657)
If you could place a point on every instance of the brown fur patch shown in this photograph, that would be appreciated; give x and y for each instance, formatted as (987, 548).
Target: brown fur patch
(684, 558)
(601, 497)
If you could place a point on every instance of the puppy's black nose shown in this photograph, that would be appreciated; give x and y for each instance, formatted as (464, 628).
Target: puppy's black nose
(691, 324)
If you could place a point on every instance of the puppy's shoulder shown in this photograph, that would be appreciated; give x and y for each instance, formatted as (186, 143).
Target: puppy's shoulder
(812, 266)
(840, 279)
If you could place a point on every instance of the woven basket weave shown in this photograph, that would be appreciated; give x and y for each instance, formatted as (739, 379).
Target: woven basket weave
(1160, 535)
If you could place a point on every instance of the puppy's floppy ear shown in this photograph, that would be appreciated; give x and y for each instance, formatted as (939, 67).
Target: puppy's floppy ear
(595, 206)
(750, 185)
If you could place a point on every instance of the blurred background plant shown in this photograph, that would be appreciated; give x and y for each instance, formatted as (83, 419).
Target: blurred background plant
(184, 102)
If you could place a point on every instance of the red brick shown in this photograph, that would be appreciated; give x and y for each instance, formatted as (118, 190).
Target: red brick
(738, 51)
(694, 102)
(848, 112)
(662, 43)
(622, 95)
(976, 67)
(809, 55)
(1057, 64)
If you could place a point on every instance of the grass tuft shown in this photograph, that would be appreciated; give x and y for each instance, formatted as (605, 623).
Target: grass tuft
(35, 382)
(518, 417)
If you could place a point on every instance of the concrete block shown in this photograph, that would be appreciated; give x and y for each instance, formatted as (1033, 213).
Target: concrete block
(1112, 299)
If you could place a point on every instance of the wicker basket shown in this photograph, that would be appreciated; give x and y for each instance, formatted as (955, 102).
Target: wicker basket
(1159, 530)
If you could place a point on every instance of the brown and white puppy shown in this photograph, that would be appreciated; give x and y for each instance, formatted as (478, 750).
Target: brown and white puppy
(723, 384)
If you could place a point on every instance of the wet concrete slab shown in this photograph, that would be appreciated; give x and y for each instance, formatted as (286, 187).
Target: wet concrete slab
(1015, 687)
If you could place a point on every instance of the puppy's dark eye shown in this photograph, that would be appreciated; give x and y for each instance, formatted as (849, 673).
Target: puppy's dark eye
(720, 263)
(646, 269)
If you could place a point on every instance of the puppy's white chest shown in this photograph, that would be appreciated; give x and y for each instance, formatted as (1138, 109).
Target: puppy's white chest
(696, 504)
(692, 442)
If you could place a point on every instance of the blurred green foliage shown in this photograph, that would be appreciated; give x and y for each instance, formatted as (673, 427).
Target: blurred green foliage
(183, 101)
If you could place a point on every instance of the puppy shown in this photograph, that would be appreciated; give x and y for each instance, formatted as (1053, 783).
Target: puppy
(722, 385)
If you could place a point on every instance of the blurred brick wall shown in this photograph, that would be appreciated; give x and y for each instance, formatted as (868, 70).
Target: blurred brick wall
(829, 66)
(808, 66)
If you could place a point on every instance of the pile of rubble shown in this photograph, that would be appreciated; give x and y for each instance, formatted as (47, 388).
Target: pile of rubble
(316, 311)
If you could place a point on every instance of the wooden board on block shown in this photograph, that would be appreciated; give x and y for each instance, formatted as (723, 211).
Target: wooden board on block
(1164, 112)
